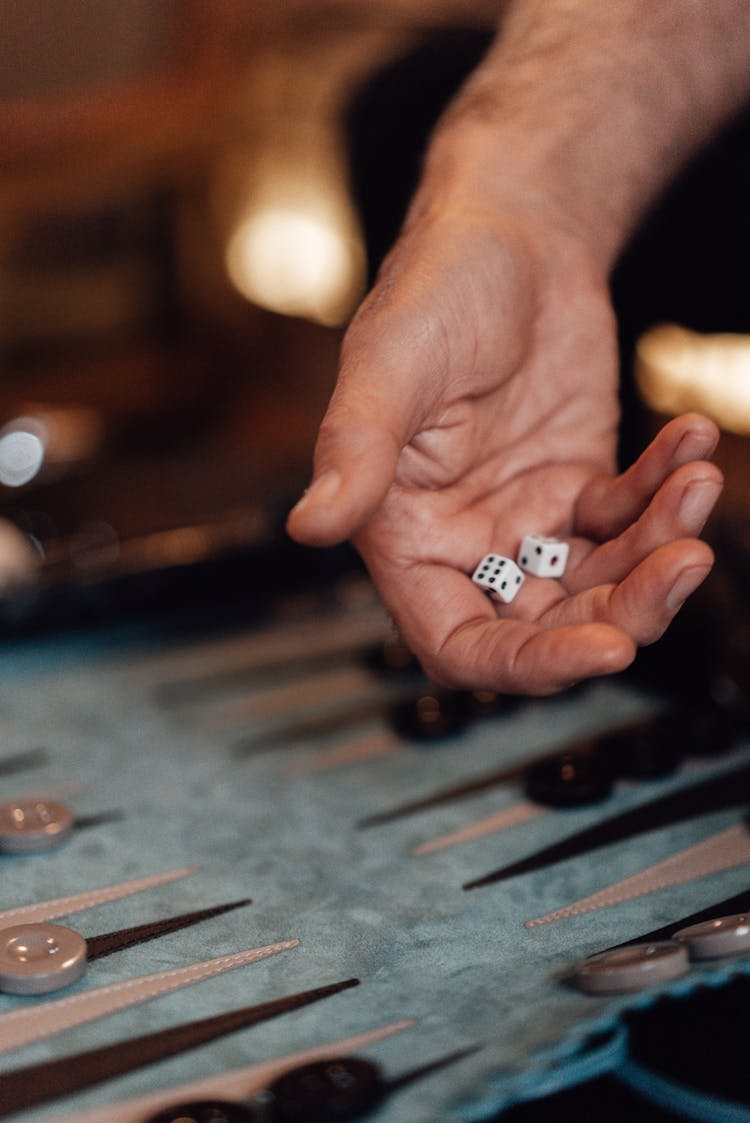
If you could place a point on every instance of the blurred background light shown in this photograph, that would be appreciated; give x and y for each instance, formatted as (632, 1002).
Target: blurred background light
(298, 260)
(678, 371)
(53, 438)
(22, 451)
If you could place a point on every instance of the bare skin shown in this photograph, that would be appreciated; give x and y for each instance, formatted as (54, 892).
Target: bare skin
(477, 396)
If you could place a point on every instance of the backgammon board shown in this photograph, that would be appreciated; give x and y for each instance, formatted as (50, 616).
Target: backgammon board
(262, 761)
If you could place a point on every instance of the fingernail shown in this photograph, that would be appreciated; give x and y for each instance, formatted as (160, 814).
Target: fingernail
(686, 583)
(322, 490)
(694, 445)
(698, 502)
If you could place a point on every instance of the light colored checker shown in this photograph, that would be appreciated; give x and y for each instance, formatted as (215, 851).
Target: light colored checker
(499, 576)
(29, 825)
(40, 958)
(543, 556)
(633, 968)
(716, 939)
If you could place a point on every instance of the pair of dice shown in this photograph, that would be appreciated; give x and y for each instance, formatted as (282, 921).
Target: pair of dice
(502, 578)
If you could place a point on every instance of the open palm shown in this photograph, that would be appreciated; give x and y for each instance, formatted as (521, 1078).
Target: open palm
(477, 402)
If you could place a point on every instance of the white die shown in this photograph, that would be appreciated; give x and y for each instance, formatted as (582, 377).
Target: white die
(544, 557)
(498, 576)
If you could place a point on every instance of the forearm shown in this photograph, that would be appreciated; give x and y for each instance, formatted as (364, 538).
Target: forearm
(585, 109)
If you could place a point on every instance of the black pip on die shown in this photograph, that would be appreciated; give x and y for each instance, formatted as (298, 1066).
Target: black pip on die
(544, 557)
(498, 576)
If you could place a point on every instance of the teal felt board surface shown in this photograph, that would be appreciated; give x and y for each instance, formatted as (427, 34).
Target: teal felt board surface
(155, 729)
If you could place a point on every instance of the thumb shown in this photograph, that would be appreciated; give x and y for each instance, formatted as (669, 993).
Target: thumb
(355, 464)
(385, 389)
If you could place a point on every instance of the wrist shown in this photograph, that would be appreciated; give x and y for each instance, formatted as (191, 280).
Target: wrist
(582, 112)
(517, 180)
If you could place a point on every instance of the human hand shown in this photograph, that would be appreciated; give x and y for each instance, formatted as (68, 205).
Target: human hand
(476, 403)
